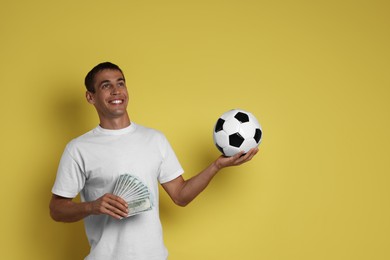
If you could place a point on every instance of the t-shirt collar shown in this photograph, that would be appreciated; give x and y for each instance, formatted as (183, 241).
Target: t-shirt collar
(121, 131)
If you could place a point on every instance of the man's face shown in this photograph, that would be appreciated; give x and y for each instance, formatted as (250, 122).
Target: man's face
(110, 98)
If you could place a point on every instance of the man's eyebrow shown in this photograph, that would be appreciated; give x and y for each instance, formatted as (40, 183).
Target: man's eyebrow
(108, 81)
(104, 81)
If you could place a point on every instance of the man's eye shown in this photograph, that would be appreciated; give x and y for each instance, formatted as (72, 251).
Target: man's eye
(121, 84)
(105, 86)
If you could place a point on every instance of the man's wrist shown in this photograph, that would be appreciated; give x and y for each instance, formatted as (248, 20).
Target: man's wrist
(88, 208)
(216, 166)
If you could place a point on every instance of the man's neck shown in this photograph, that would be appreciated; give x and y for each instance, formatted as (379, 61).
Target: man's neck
(115, 123)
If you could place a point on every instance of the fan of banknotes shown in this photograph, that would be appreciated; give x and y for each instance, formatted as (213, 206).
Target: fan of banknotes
(134, 192)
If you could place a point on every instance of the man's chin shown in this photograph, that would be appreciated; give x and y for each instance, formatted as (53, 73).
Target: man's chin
(119, 113)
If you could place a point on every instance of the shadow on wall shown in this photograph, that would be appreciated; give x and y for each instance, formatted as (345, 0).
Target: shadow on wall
(67, 117)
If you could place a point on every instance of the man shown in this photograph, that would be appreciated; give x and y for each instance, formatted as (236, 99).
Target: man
(92, 162)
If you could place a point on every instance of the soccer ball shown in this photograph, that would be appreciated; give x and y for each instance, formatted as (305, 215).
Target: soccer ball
(237, 130)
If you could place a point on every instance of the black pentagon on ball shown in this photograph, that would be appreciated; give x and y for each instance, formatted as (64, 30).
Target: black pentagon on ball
(242, 117)
(219, 125)
(236, 140)
(257, 136)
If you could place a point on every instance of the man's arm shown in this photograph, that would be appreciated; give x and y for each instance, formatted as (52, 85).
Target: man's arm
(66, 210)
(183, 191)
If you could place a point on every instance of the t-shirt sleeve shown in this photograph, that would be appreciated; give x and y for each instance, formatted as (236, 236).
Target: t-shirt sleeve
(70, 178)
(170, 167)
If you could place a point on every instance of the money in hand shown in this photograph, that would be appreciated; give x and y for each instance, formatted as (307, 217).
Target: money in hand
(134, 192)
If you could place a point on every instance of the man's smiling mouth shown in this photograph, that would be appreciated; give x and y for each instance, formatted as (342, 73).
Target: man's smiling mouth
(116, 101)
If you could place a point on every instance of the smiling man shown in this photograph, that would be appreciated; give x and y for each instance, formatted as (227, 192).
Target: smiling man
(110, 97)
(91, 164)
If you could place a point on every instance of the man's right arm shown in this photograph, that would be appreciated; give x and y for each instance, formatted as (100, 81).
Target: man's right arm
(66, 210)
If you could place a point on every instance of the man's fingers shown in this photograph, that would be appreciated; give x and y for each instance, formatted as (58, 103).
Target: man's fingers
(112, 205)
(115, 211)
(252, 153)
(242, 158)
(118, 205)
(118, 202)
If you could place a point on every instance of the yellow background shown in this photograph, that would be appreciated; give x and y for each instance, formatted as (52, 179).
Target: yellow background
(315, 73)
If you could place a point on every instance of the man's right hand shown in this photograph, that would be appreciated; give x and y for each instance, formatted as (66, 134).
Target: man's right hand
(111, 205)
(66, 210)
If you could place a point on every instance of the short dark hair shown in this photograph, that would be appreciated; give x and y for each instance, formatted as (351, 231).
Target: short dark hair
(90, 78)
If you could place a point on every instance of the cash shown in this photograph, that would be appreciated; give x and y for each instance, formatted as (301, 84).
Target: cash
(134, 192)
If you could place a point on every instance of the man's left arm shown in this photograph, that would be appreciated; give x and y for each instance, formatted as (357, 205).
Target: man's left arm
(183, 191)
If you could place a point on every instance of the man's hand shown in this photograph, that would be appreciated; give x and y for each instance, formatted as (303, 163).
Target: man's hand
(66, 210)
(111, 205)
(235, 160)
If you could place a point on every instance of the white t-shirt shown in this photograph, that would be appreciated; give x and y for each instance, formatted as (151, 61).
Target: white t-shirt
(91, 164)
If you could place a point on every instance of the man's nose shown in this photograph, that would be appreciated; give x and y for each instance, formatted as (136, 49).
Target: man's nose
(115, 90)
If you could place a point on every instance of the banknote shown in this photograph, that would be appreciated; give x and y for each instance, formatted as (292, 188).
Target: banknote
(134, 192)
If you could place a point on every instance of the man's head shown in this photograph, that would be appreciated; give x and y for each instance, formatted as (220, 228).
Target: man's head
(90, 78)
(107, 92)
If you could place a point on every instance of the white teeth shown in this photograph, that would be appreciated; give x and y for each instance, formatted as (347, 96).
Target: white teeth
(116, 101)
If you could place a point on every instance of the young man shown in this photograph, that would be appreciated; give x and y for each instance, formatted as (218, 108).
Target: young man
(91, 164)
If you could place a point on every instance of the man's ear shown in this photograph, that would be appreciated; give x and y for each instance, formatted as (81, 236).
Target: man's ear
(90, 97)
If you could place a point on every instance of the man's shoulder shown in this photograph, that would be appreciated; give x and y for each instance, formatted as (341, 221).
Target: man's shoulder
(80, 139)
(95, 136)
(145, 131)
(85, 135)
